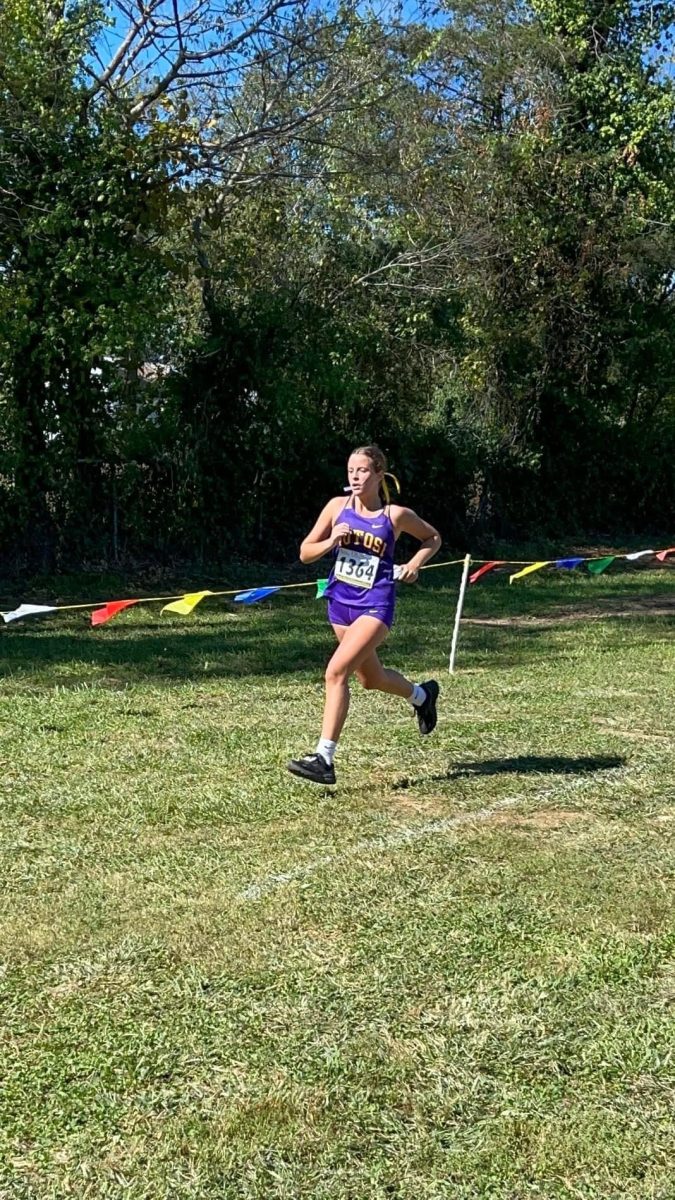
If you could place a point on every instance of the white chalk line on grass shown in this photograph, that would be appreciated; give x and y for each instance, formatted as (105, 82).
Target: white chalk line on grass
(392, 841)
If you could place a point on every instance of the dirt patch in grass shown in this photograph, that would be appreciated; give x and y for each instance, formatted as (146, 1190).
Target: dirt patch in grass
(635, 735)
(421, 806)
(641, 606)
(552, 818)
(437, 806)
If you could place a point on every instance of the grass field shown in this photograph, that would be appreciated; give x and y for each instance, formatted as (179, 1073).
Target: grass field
(453, 976)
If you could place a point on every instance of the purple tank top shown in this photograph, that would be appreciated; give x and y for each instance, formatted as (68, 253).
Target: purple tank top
(362, 575)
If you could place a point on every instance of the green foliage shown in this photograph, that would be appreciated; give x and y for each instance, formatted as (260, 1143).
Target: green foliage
(564, 218)
(454, 236)
(82, 290)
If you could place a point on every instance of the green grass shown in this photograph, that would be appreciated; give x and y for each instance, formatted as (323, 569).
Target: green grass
(219, 982)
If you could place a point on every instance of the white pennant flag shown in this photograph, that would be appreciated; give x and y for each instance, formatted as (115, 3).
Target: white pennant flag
(639, 554)
(26, 610)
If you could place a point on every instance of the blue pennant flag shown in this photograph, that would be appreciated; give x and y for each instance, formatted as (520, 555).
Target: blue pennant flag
(570, 563)
(254, 594)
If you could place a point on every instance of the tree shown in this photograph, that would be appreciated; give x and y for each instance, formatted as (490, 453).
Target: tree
(105, 135)
(550, 191)
(80, 282)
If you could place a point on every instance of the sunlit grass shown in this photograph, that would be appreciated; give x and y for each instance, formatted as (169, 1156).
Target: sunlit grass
(453, 976)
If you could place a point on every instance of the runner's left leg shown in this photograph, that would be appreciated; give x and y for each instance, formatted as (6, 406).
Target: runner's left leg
(422, 696)
(372, 675)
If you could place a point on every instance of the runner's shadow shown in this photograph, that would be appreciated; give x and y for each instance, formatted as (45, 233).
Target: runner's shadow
(532, 764)
(524, 764)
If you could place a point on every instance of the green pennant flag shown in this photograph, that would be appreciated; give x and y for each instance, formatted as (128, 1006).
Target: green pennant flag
(321, 585)
(598, 565)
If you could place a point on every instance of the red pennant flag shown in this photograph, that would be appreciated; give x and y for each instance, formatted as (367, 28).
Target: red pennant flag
(499, 562)
(663, 554)
(110, 610)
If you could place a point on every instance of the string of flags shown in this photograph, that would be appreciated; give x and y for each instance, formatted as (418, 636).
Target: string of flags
(183, 605)
(596, 566)
(187, 603)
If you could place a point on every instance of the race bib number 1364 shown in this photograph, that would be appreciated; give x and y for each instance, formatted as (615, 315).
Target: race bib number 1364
(356, 568)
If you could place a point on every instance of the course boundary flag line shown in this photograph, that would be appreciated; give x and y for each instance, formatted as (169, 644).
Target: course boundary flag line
(184, 604)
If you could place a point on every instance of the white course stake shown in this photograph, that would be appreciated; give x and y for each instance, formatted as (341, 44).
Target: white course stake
(458, 614)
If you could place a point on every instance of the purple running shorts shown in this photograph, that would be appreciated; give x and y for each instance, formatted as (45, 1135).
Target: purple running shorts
(347, 614)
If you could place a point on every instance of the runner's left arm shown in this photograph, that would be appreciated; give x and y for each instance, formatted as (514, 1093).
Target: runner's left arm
(405, 520)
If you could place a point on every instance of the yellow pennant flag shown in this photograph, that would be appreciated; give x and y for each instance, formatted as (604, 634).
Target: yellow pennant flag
(528, 570)
(185, 605)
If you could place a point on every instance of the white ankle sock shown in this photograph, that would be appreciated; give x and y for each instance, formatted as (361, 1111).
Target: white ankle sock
(326, 749)
(418, 695)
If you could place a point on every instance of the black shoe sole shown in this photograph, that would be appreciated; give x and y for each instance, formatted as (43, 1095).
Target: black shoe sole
(301, 773)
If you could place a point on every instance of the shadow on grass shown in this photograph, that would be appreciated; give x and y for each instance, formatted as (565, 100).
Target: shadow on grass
(525, 764)
(169, 656)
(534, 764)
(262, 644)
(284, 640)
(289, 636)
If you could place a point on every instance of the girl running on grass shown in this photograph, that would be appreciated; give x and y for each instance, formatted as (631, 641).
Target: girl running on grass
(362, 532)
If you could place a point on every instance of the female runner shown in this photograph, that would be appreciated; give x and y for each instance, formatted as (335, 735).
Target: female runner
(362, 533)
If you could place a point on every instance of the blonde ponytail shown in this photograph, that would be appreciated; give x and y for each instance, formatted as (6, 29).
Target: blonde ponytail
(385, 486)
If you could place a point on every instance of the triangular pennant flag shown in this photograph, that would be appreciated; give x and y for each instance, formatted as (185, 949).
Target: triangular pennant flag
(597, 565)
(321, 585)
(637, 555)
(568, 564)
(254, 594)
(498, 562)
(110, 610)
(185, 605)
(528, 570)
(27, 610)
(663, 554)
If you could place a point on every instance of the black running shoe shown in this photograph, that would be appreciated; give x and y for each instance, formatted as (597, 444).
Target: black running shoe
(426, 713)
(313, 767)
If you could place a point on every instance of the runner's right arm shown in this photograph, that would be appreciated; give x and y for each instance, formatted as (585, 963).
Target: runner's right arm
(324, 534)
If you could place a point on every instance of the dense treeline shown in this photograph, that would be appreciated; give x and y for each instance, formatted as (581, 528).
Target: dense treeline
(233, 243)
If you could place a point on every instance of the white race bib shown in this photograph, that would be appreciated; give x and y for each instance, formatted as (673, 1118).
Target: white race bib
(356, 568)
